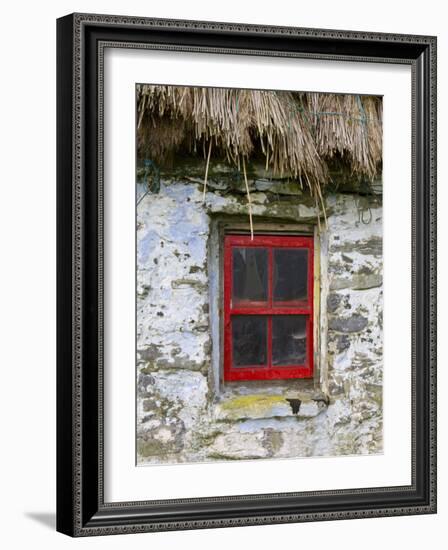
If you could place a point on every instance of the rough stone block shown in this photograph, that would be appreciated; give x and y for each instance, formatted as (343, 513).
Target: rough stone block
(253, 406)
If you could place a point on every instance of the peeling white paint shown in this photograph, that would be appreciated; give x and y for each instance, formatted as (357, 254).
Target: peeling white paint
(181, 405)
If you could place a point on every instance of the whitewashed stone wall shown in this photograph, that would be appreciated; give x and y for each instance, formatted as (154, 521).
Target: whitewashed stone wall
(184, 412)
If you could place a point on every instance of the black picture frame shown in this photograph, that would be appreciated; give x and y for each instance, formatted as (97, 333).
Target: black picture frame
(81, 510)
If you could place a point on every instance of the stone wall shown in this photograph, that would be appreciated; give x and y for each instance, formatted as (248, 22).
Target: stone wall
(184, 410)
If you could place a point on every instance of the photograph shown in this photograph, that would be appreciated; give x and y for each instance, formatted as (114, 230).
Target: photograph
(259, 274)
(246, 220)
(223, 236)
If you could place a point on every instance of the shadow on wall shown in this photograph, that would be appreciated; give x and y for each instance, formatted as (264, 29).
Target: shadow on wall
(47, 519)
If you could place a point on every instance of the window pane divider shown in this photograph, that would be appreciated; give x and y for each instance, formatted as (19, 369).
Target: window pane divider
(270, 286)
(271, 311)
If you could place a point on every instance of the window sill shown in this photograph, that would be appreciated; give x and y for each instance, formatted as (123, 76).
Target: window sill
(258, 406)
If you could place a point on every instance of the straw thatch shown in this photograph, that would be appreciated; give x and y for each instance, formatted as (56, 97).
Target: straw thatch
(298, 134)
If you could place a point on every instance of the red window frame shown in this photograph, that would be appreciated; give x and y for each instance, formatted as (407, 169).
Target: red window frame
(268, 372)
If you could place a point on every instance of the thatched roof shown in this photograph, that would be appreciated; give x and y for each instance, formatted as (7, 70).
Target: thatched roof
(297, 134)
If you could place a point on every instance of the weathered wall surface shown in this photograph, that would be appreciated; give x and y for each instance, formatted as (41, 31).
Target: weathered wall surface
(184, 412)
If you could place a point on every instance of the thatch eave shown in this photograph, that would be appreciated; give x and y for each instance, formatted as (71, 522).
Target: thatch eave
(297, 135)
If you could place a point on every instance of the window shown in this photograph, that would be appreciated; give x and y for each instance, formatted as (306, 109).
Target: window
(268, 307)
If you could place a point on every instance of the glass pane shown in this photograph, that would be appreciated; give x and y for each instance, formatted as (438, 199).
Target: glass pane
(290, 275)
(249, 340)
(288, 340)
(250, 275)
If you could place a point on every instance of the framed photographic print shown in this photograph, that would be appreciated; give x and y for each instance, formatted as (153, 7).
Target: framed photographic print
(246, 275)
